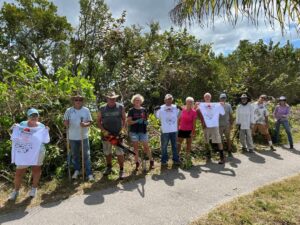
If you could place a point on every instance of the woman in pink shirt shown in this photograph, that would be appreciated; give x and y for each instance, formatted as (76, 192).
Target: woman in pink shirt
(187, 125)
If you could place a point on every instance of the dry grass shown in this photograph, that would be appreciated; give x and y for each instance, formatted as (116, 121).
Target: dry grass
(274, 204)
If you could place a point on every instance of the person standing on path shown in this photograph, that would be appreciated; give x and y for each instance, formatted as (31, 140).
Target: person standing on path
(138, 120)
(209, 113)
(78, 119)
(281, 115)
(187, 126)
(226, 122)
(168, 115)
(245, 122)
(24, 126)
(261, 120)
(111, 121)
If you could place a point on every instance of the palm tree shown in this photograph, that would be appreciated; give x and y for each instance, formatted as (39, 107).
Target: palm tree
(284, 12)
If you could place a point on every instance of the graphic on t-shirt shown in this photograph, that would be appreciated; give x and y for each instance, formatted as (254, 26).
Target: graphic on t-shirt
(170, 119)
(27, 143)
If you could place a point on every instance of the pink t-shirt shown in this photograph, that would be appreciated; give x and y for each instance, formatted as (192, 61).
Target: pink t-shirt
(187, 119)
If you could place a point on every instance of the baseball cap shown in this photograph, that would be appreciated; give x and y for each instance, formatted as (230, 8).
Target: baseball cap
(223, 95)
(282, 98)
(168, 96)
(32, 111)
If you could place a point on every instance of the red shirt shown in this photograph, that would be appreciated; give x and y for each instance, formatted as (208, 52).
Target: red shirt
(187, 119)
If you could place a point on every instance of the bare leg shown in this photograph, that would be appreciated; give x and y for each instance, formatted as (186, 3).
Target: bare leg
(18, 178)
(135, 145)
(121, 161)
(108, 159)
(188, 147)
(147, 150)
(36, 175)
(179, 142)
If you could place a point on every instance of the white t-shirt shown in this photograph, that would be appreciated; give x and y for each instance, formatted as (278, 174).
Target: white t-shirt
(168, 116)
(211, 113)
(260, 113)
(27, 143)
(74, 117)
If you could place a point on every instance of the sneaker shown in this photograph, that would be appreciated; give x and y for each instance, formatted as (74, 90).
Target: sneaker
(137, 165)
(151, 167)
(13, 196)
(75, 175)
(107, 171)
(244, 149)
(32, 192)
(222, 161)
(91, 178)
(272, 148)
(251, 151)
(121, 174)
(291, 146)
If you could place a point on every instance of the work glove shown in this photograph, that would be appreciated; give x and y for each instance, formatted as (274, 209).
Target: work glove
(140, 121)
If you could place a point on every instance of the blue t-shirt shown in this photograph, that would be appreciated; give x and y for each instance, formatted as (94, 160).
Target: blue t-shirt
(74, 117)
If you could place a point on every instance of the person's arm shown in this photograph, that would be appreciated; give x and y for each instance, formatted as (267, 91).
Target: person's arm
(201, 118)
(194, 126)
(123, 118)
(99, 123)
(251, 116)
(237, 119)
(89, 120)
(67, 118)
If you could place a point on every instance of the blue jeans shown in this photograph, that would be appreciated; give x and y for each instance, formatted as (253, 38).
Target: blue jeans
(165, 138)
(287, 128)
(75, 146)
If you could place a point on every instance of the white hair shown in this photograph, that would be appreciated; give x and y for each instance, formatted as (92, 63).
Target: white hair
(137, 96)
(207, 94)
(189, 99)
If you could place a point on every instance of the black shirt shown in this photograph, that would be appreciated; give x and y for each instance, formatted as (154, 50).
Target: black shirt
(136, 114)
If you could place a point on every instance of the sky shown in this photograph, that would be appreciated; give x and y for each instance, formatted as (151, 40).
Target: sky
(223, 36)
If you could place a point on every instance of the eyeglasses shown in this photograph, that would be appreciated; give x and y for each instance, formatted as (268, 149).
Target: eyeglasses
(78, 100)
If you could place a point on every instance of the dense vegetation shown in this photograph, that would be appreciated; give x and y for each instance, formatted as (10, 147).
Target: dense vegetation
(43, 60)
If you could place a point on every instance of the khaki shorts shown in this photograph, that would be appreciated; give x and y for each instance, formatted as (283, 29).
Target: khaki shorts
(260, 128)
(107, 149)
(226, 131)
(40, 160)
(213, 134)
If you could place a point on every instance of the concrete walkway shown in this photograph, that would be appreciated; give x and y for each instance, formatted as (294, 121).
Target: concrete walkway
(174, 197)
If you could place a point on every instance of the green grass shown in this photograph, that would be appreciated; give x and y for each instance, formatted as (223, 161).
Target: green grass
(277, 203)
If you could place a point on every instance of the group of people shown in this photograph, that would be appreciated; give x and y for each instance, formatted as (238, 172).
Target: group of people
(178, 123)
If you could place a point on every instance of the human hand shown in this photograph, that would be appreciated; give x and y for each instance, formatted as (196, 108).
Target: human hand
(139, 121)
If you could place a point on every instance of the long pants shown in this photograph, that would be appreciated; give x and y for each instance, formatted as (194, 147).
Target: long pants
(76, 153)
(165, 138)
(287, 128)
(246, 138)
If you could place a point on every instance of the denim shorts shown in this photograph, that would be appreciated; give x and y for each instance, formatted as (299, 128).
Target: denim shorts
(143, 137)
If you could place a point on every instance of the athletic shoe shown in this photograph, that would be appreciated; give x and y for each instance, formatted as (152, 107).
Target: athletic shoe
(91, 178)
(121, 174)
(32, 192)
(13, 196)
(251, 151)
(291, 146)
(75, 175)
(272, 148)
(107, 171)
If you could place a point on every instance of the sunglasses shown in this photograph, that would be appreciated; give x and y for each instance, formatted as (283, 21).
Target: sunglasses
(34, 115)
(78, 100)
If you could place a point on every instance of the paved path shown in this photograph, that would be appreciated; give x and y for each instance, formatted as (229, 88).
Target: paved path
(174, 197)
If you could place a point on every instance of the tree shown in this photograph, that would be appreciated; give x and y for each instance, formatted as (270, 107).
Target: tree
(30, 29)
(204, 11)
